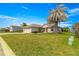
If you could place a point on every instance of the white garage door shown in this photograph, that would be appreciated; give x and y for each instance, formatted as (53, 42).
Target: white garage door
(27, 30)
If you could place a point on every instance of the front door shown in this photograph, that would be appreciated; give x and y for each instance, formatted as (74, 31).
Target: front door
(46, 30)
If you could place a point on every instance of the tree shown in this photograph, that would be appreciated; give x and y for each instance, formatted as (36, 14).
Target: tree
(66, 29)
(57, 15)
(24, 24)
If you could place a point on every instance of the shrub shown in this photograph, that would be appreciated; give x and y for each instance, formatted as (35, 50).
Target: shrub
(66, 29)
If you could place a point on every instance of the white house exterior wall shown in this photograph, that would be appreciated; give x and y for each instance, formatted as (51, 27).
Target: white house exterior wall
(49, 30)
(28, 30)
(11, 29)
(35, 29)
(16, 28)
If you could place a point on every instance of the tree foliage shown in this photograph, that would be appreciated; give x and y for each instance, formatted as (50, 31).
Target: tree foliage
(66, 29)
(24, 24)
(57, 15)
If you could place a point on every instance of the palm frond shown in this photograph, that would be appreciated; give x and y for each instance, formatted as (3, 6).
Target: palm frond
(57, 15)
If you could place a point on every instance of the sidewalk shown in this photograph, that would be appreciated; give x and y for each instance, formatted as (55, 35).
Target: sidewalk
(1, 51)
(5, 50)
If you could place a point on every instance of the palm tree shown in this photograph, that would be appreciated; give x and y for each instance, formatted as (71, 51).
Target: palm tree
(57, 15)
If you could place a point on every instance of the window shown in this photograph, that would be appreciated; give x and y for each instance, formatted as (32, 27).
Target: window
(51, 29)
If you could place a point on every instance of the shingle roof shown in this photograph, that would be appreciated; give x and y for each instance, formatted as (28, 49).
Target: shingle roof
(47, 25)
(33, 25)
(16, 26)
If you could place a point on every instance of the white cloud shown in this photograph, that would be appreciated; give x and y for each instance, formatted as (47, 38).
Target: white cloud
(7, 17)
(73, 12)
(71, 15)
(12, 20)
(65, 24)
(24, 7)
(19, 20)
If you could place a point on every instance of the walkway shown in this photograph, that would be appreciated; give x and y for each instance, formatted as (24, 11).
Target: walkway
(1, 51)
(5, 50)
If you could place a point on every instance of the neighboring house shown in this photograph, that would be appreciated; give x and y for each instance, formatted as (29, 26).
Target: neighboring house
(4, 29)
(15, 28)
(33, 28)
(76, 28)
(50, 28)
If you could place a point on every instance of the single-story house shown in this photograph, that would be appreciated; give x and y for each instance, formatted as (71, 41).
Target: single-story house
(40, 28)
(15, 28)
(33, 28)
(50, 28)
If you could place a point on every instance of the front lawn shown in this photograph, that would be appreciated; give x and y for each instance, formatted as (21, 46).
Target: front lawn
(41, 44)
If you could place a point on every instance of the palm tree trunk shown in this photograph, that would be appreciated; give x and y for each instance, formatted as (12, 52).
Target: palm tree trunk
(56, 27)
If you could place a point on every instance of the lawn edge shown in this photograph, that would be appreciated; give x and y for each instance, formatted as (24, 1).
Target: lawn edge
(7, 50)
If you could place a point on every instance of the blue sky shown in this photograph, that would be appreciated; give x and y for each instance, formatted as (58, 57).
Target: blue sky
(34, 13)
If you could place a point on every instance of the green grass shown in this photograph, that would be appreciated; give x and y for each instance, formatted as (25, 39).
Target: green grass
(42, 44)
